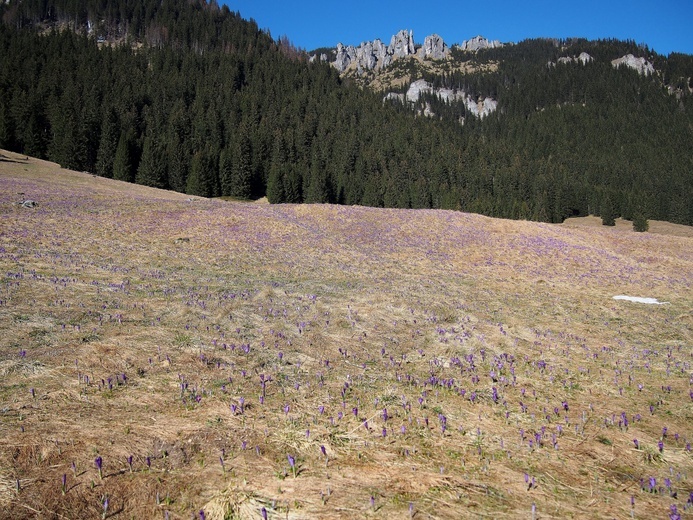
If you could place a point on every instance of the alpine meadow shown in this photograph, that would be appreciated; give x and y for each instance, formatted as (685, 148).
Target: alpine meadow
(240, 279)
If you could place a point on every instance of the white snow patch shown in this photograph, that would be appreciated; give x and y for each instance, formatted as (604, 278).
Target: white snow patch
(637, 299)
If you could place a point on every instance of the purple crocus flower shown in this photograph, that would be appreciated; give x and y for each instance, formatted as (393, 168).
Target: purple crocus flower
(130, 462)
(263, 512)
(292, 464)
(98, 461)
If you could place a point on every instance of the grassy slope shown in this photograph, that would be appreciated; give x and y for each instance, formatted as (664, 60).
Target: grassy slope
(421, 313)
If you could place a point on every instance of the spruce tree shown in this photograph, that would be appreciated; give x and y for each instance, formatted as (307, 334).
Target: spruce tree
(107, 145)
(226, 172)
(152, 168)
(607, 212)
(242, 167)
(122, 163)
(640, 223)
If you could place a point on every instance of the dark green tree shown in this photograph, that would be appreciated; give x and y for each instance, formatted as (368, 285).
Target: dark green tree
(108, 144)
(123, 168)
(607, 212)
(640, 223)
(152, 168)
(242, 171)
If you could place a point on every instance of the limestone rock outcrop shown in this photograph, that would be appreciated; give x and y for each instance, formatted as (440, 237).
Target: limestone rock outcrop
(375, 55)
(479, 107)
(402, 44)
(583, 59)
(434, 47)
(643, 66)
(478, 43)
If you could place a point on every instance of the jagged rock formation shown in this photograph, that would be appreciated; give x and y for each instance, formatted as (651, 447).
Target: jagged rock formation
(402, 44)
(640, 64)
(374, 55)
(477, 43)
(480, 107)
(434, 47)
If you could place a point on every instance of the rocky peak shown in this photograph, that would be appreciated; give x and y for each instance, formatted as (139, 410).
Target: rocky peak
(402, 44)
(434, 47)
(640, 64)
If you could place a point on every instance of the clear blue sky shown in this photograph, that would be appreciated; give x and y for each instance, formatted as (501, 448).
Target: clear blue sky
(664, 25)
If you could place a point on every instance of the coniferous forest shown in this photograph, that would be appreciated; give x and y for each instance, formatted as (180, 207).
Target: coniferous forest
(189, 96)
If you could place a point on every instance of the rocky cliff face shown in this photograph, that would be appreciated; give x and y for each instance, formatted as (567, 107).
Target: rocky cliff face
(434, 47)
(640, 64)
(480, 107)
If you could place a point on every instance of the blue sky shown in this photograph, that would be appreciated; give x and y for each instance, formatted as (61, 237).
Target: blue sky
(663, 25)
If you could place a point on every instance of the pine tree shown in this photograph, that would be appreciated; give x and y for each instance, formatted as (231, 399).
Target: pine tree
(607, 212)
(152, 168)
(242, 168)
(122, 163)
(108, 145)
(640, 223)
(226, 172)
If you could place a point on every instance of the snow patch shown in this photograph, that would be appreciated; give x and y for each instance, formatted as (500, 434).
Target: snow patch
(637, 299)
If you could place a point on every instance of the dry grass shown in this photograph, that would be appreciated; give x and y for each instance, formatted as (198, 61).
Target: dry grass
(420, 313)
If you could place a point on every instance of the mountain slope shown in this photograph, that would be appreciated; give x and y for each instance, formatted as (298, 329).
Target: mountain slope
(189, 96)
(454, 362)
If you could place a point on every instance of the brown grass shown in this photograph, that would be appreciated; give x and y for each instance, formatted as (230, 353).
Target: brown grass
(370, 309)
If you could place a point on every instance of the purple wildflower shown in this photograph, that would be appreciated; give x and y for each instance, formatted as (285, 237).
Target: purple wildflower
(292, 464)
(98, 461)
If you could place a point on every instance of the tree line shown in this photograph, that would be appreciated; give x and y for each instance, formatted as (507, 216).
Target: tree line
(189, 96)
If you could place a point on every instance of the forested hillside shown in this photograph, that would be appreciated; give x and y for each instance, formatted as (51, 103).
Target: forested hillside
(186, 95)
